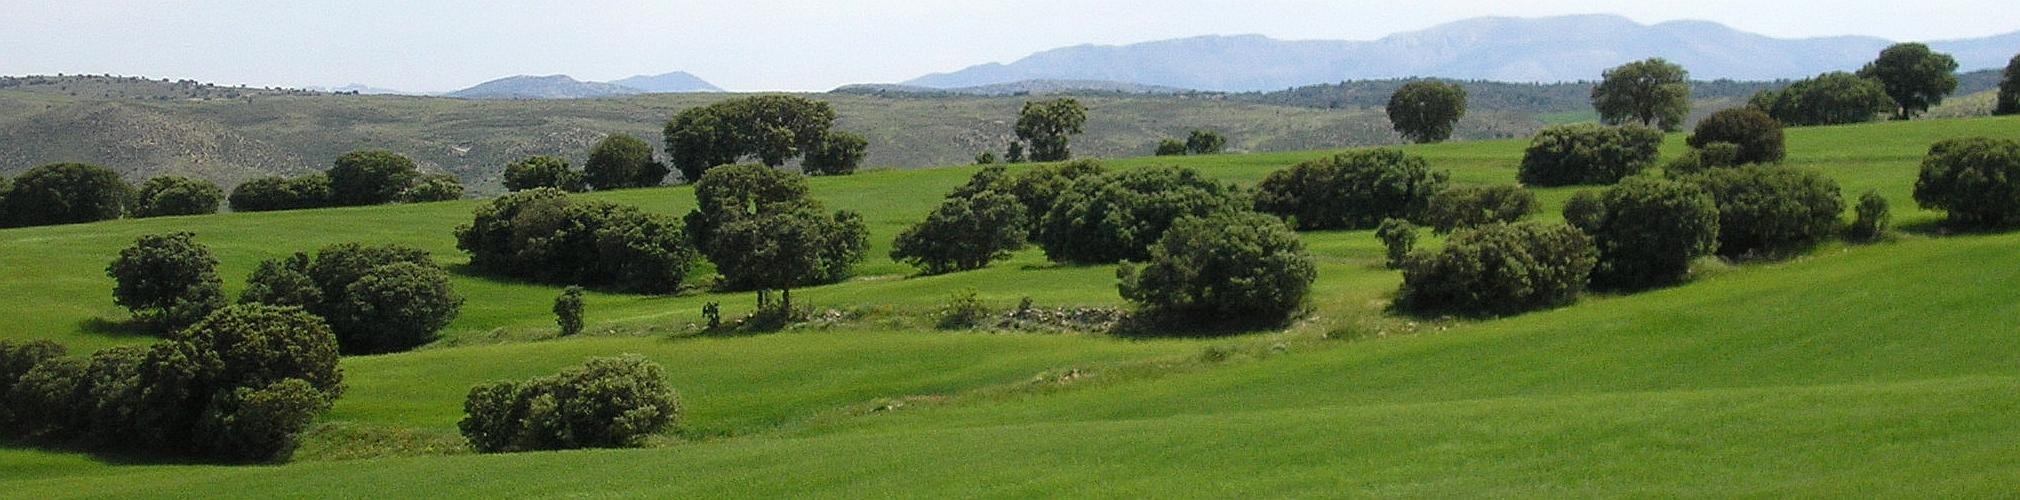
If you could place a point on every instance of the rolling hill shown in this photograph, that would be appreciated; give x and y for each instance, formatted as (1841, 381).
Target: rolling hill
(1549, 49)
(1855, 370)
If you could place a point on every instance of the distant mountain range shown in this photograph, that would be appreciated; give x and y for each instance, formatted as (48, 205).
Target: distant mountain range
(1551, 49)
(565, 87)
(1033, 87)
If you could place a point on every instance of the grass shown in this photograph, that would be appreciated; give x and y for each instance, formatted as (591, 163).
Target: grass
(1880, 370)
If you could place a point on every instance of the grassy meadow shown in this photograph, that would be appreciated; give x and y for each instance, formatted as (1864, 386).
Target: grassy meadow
(1866, 370)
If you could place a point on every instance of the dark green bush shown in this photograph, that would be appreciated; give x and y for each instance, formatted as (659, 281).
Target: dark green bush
(840, 153)
(370, 178)
(1706, 157)
(604, 403)
(1772, 211)
(535, 172)
(113, 376)
(1170, 147)
(1758, 136)
(260, 424)
(279, 193)
(1463, 207)
(17, 357)
(965, 233)
(1586, 153)
(167, 280)
(1398, 237)
(65, 193)
(1647, 230)
(622, 161)
(544, 235)
(1117, 216)
(762, 231)
(283, 283)
(1499, 269)
(49, 402)
(1976, 180)
(1236, 268)
(395, 307)
(1037, 188)
(169, 195)
(435, 187)
(1828, 99)
(1205, 142)
(568, 311)
(1352, 190)
(1873, 220)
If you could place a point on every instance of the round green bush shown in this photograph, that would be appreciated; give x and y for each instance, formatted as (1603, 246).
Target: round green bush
(65, 193)
(1352, 190)
(395, 307)
(604, 403)
(1647, 230)
(543, 172)
(280, 193)
(370, 178)
(1226, 268)
(169, 195)
(1769, 211)
(1117, 216)
(964, 233)
(167, 280)
(1499, 269)
(1468, 206)
(1758, 136)
(1874, 219)
(544, 235)
(1587, 153)
(1976, 180)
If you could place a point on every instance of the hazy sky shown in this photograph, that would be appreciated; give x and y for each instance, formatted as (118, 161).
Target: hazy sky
(426, 45)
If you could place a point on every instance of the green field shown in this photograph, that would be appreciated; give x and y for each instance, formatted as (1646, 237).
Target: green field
(1857, 370)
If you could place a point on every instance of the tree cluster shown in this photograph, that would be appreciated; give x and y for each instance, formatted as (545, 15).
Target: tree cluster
(1975, 180)
(1499, 269)
(2009, 90)
(281, 193)
(1828, 99)
(771, 129)
(544, 235)
(603, 403)
(65, 193)
(966, 232)
(357, 178)
(1036, 188)
(1424, 111)
(763, 232)
(1116, 216)
(238, 386)
(535, 172)
(1201, 142)
(1587, 153)
(1914, 76)
(1352, 190)
(377, 299)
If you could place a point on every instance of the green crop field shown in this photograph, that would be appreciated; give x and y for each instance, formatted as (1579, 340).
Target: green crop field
(1856, 370)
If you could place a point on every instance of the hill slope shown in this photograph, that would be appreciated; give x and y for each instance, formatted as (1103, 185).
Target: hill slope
(678, 81)
(541, 87)
(1549, 49)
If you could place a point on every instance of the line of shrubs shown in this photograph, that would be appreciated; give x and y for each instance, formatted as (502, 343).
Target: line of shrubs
(70, 193)
(358, 178)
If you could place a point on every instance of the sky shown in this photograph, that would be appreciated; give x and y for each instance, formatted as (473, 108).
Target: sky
(749, 45)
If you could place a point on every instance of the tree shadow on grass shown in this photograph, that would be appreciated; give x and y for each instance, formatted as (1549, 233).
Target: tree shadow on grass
(1178, 325)
(129, 327)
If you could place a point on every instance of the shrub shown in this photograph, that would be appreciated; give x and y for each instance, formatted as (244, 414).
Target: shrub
(1205, 142)
(568, 311)
(544, 235)
(731, 192)
(49, 401)
(1424, 111)
(1647, 230)
(1772, 211)
(1828, 99)
(113, 378)
(1575, 154)
(164, 196)
(167, 280)
(1976, 180)
(283, 283)
(769, 128)
(1398, 237)
(1117, 216)
(622, 161)
(965, 233)
(543, 172)
(963, 310)
(1245, 268)
(255, 345)
(1170, 147)
(788, 246)
(985, 158)
(604, 403)
(261, 424)
(1463, 207)
(278, 193)
(437, 187)
(1707, 157)
(1037, 188)
(1873, 219)
(1353, 190)
(241, 385)
(395, 307)
(837, 154)
(65, 193)
(1499, 269)
(1758, 136)
(370, 178)
(17, 357)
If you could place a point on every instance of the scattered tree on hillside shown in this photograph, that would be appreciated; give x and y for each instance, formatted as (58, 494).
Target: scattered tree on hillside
(433, 187)
(370, 178)
(1205, 142)
(404, 303)
(2009, 90)
(1037, 188)
(1170, 147)
(280, 193)
(171, 195)
(168, 281)
(964, 233)
(1352, 190)
(1829, 99)
(1499, 268)
(1424, 111)
(771, 129)
(1587, 153)
(66, 193)
(1758, 136)
(622, 161)
(837, 154)
(1048, 126)
(1117, 216)
(545, 235)
(763, 233)
(1652, 92)
(543, 171)
(1226, 268)
(1014, 153)
(1976, 180)
(1914, 76)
